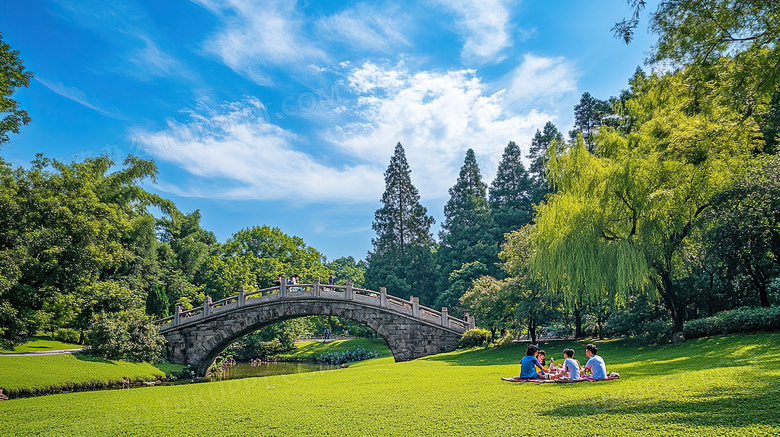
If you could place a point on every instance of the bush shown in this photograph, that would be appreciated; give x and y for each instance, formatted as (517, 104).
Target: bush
(358, 353)
(739, 320)
(475, 337)
(253, 346)
(642, 321)
(126, 335)
(66, 335)
(504, 341)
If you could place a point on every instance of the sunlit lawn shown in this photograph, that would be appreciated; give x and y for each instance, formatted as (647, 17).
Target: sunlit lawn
(307, 350)
(39, 374)
(41, 344)
(725, 385)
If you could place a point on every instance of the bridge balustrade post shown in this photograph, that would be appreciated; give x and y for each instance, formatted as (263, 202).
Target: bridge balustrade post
(241, 297)
(317, 287)
(177, 316)
(383, 297)
(470, 320)
(283, 289)
(207, 307)
(445, 317)
(415, 306)
(348, 295)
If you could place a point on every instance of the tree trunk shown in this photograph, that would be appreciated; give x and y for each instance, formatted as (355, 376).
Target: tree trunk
(671, 300)
(532, 329)
(577, 322)
(599, 327)
(759, 281)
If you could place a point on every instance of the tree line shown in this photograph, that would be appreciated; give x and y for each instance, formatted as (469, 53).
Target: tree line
(661, 207)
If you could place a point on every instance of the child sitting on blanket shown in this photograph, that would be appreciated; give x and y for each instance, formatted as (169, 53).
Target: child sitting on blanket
(595, 364)
(529, 364)
(541, 357)
(571, 367)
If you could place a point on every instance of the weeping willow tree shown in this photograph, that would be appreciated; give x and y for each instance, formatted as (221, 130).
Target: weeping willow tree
(620, 215)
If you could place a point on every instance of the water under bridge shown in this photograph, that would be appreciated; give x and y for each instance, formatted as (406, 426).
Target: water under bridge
(196, 336)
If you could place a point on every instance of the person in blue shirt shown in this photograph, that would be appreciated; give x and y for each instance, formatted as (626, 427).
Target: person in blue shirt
(595, 364)
(529, 363)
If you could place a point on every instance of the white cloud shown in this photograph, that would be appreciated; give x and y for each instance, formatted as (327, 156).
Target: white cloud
(437, 116)
(366, 28)
(258, 36)
(237, 154)
(483, 23)
(79, 96)
(149, 60)
(539, 77)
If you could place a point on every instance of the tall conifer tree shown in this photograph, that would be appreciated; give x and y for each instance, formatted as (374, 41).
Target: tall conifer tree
(468, 248)
(402, 258)
(511, 193)
(538, 156)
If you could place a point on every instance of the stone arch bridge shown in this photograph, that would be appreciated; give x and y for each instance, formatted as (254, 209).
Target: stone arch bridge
(198, 335)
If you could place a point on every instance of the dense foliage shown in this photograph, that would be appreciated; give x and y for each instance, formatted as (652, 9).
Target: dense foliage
(12, 76)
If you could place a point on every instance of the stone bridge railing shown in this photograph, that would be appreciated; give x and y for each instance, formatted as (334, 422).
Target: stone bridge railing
(285, 292)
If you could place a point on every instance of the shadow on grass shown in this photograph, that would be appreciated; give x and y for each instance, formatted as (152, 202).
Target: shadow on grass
(713, 408)
(91, 358)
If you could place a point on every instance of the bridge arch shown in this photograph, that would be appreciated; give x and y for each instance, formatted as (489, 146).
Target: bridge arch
(411, 331)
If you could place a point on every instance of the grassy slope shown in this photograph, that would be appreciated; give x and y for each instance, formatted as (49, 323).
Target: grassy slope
(725, 385)
(39, 344)
(39, 373)
(309, 350)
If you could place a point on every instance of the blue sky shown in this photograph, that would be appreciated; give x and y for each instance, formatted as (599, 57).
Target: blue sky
(286, 113)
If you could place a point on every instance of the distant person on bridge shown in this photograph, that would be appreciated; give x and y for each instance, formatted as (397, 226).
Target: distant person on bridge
(331, 281)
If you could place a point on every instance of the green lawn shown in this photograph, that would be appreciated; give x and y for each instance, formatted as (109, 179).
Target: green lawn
(40, 374)
(725, 385)
(310, 350)
(40, 344)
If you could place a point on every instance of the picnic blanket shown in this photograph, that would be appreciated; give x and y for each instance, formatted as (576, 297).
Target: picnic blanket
(611, 377)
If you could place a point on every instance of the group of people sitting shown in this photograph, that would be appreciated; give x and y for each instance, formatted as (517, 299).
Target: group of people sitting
(534, 366)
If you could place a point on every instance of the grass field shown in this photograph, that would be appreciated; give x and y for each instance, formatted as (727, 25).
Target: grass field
(725, 385)
(310, 350)
(26, 375)
(41, 344)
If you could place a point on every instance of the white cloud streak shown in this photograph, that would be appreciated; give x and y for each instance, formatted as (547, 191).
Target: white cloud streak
(539, 77)
(367, 28)
(483, 24)
(258, 36)
(79, 96)
(237, 154)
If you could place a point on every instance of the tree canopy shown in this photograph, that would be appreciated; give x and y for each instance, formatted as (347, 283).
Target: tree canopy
(12, 76)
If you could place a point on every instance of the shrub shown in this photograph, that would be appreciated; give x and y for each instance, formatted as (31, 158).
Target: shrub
(475, 337)
(642, 320)
(66, 335)
(504, 341)
(739, 320)
(357, 353)
(126, 335)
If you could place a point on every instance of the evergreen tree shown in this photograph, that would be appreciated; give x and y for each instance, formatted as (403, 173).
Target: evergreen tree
(511, 193)
(588, 116)
(402, 258)
(467, 237)
(157, 301)
(538, 156)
